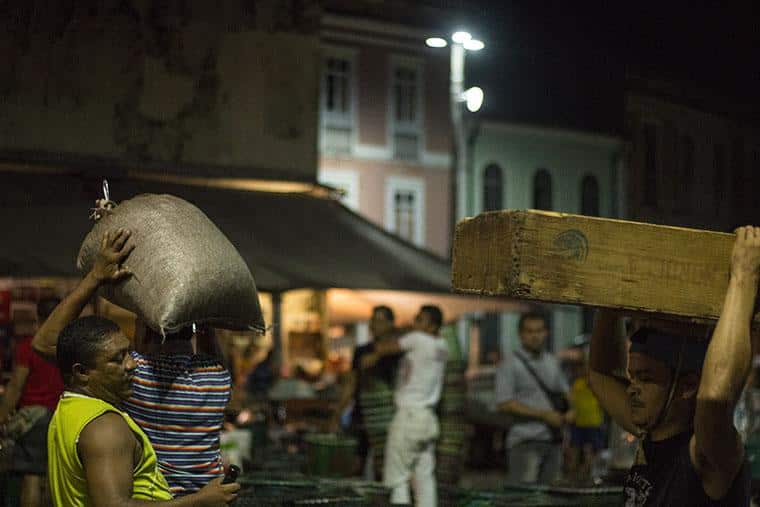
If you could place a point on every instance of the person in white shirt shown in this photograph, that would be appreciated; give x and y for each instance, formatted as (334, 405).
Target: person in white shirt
(411, 439)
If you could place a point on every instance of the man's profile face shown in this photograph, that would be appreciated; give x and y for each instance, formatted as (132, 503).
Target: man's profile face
(533, 334)
(110, 377)
(648, 389)
(380, 325)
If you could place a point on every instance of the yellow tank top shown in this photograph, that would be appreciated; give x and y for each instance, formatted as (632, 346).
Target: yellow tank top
(68, 486)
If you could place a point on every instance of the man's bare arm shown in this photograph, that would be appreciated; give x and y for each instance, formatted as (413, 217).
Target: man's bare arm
(605, 358)
(107, 449)
(383, 348)
(107, 268)
(348, 389)
(45, 341)
(522, 411)
(13, 392)
(717, 448)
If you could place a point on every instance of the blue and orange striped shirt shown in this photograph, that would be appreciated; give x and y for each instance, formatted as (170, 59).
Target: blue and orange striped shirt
(179, 400)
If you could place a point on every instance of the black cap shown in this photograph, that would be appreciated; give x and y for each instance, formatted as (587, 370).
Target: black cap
(667, 347)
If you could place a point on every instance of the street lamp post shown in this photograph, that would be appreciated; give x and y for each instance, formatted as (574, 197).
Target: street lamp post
(461, 42)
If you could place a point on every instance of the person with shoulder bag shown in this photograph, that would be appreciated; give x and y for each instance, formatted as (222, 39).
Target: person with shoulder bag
(531, 387)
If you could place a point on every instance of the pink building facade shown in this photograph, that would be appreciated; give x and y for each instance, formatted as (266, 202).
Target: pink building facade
(384, 128)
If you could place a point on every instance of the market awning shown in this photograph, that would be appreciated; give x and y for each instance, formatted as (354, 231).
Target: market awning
(288, 240)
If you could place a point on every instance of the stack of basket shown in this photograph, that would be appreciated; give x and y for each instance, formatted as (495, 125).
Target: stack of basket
(282, 495)
(452, 444)
(376, 401)
(289, 490)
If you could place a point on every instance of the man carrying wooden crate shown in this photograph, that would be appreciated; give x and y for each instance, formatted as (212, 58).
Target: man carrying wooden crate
(681, 396)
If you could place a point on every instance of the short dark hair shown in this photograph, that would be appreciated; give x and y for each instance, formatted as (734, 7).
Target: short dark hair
(80, 342)
(386, 311)
(434, 311)
(183, 334)
(531, 316)
(45, 307)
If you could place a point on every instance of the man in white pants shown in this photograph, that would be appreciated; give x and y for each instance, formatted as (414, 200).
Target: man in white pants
(414, 429)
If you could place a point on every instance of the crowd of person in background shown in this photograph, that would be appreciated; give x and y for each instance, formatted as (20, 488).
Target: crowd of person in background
(555, 417)
(141, 419)
(84, 408)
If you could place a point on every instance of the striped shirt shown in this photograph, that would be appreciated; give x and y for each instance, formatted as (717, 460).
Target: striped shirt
(179, 400)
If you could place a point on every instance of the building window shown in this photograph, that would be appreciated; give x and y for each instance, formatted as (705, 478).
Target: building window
(737, 175)
(650, 165)
(405, 89)
(590, 196)
(719, 174)
(490, 348)
(542, 190)
(685, 174)
(406, 108)
(687, 160)
(493, 188)
(337, 86)
(337, 102)
(588, 320)
(345, 180)
(405, 208)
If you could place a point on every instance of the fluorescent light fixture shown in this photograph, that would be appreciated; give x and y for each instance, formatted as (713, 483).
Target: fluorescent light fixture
(473, 98)
(436, 42)
(474, 45)
(461, 37)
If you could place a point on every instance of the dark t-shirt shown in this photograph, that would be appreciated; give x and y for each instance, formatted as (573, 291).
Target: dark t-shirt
(384, 371)
(669, 479)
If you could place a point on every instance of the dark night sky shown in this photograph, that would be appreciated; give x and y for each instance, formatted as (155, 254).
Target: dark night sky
(562, 63)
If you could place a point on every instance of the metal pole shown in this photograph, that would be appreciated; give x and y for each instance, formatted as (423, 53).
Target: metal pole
(460, 141)
(277, 331)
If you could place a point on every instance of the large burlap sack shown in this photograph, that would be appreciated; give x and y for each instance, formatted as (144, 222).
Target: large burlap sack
(184, 268)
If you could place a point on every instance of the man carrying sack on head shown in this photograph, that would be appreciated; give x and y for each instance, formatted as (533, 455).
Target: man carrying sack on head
(98, 455)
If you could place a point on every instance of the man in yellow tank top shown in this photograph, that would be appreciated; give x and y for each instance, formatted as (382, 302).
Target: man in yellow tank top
(97, 455)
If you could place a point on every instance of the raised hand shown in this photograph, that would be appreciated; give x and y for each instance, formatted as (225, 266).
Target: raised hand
(114, 250)
(745, 258)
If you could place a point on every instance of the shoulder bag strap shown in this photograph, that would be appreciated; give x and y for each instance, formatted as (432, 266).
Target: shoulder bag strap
(533, 373)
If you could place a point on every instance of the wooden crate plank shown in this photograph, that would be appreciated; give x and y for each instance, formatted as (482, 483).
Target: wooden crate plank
(573, 259)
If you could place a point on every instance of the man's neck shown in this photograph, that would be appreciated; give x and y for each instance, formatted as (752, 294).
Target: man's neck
(532, 353)
(85, 391)
(669, 429)
(177, 347)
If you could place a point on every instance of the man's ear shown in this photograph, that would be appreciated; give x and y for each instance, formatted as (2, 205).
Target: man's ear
(80, 373)
(689, 385)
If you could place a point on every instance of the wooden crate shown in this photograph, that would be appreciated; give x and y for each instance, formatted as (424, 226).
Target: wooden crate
(572, 259)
